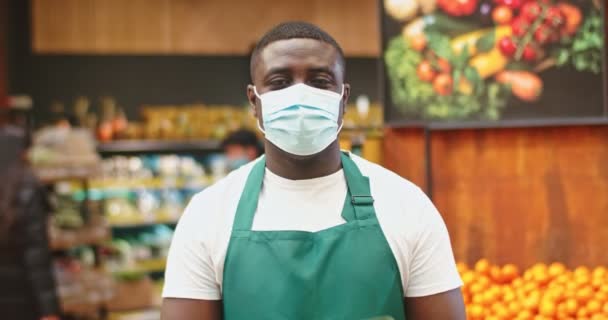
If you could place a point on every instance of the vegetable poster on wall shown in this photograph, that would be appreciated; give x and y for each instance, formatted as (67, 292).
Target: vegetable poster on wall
(493, 61)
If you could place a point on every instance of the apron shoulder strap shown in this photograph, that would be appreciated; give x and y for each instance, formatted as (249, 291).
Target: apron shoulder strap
(243, 219)
(359, 190)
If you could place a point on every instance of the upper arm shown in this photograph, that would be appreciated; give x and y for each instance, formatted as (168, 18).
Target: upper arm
(189, 309)
(190, 272)
(432, 268)
(443, 306)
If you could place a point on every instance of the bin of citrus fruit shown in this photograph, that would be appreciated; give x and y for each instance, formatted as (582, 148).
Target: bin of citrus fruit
(540, 292)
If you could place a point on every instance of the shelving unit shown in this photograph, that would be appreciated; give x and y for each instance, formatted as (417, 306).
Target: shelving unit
(157, 146)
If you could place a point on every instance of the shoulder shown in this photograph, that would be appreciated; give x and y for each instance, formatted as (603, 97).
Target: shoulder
(402, 207)
(212, 208)
(386, 183)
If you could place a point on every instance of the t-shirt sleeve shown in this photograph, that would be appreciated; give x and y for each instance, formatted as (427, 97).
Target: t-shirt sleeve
(432, 265)
(190, 273)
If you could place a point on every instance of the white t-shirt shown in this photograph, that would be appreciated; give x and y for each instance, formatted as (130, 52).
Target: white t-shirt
(414, 229)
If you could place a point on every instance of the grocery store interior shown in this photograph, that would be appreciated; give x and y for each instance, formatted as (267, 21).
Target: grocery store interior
(130, 108)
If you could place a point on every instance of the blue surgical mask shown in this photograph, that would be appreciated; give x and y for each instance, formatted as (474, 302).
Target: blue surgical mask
(236, 163)
(301, 119)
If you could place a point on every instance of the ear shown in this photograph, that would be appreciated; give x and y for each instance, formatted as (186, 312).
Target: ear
(345, 97)
(253, 99)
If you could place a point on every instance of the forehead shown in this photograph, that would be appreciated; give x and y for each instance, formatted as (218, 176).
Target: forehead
(297, 54)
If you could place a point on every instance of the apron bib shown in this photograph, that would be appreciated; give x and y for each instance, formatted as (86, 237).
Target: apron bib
(344, 272)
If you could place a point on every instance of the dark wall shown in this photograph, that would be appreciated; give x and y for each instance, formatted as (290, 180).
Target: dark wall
(138, 80)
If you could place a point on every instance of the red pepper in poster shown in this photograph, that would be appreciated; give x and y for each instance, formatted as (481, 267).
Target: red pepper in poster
(458, 8)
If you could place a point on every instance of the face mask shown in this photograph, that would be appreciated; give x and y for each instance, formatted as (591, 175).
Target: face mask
(300, 119)
(236, 163)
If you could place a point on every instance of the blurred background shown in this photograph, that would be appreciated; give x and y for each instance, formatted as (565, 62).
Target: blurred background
(126, 108)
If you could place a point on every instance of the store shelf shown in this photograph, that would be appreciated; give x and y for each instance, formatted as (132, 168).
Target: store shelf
(145, 267)
(144, 314)
(68, 239)
(158, 146)
(91, 310)
(53, 175)
(133, 225)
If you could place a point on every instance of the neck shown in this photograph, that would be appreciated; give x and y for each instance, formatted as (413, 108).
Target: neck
(294, 167)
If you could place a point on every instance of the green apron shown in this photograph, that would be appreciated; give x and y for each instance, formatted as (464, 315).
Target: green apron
(344, 272)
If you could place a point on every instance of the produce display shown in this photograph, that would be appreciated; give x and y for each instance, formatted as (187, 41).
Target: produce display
(540, 292)
(489, 60)
(60, 151)
(145, 189)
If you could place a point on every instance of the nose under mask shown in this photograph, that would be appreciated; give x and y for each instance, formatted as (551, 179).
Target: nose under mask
(301, 119)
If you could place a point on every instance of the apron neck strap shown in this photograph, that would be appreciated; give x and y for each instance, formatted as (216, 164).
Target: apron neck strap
(359, 204)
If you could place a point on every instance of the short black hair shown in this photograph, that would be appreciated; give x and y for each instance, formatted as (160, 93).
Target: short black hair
(245, 138)
(295, 30)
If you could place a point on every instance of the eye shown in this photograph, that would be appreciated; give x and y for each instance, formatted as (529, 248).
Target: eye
(321, 83)
(278, 83)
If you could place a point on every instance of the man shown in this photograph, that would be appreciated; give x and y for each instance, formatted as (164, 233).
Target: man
(309, 232)
(241, 147)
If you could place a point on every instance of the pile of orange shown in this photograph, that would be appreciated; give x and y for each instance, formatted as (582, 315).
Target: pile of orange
(552, 291)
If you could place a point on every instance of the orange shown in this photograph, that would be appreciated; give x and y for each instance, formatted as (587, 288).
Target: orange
(496, 274)
(468, 277)
(476, 288)
(594, 306)
(462, 267)
(547, 308)
(582, 312)
(542, 278)
(580, 271)
(482, 266)
(597, 283)
(605, 308)
(509, 272)
(556, 269)
(584, 295)
(604, 288)
(509, 296)
(518, 282)
(582, 280)
(598, 317)
(571, 306)
(562, 278)
(524, 314)
(477, 299)
(514, 307)
(599, 272)
(476, 311)
(483, 281)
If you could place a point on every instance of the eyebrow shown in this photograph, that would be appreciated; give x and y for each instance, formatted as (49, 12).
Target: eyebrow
(277, 70)
(322, 69)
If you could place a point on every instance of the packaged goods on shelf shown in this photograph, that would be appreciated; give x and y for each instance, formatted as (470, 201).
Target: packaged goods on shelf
(82, 289)
(59, 152)
(133, 254)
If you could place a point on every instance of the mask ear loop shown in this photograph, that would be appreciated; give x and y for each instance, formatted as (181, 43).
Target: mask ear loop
(341, 96)
(257, 121)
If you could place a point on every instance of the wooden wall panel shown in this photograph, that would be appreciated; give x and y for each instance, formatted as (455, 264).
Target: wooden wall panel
(213, 27)
(517, 195)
